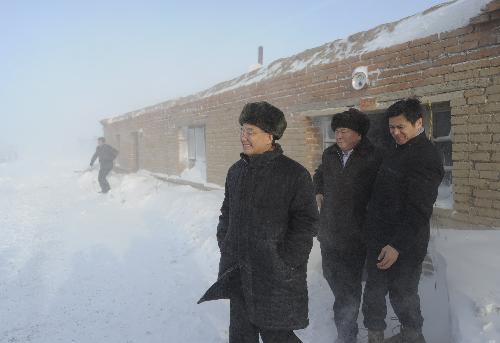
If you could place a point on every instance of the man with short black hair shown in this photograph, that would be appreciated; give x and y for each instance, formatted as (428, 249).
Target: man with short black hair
(106, 154)
(265, 234)
(343, 183)
(397, 225)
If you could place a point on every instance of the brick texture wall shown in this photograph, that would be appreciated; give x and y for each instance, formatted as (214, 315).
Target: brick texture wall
(461, 67)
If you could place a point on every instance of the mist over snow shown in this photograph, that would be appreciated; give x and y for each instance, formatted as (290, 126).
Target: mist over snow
(129, 266)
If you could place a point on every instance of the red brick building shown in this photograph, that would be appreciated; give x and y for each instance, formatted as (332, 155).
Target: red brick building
(448, 56)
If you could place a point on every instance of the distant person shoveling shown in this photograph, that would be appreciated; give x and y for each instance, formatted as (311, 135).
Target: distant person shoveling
(107, 155)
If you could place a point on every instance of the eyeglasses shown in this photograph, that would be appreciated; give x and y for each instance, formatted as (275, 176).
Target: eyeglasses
(247, 132)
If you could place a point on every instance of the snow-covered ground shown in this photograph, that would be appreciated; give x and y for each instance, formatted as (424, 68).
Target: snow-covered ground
(473, 273)
(129, 266)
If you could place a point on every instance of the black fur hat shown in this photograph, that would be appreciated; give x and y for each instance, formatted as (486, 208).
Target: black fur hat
(352, 119)
(265, 116)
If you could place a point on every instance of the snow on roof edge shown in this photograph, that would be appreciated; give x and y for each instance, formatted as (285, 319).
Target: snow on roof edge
(441, 18)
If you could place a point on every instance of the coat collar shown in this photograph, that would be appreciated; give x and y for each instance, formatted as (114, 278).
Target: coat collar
(262, 159)
(418, 139)
(364, 147)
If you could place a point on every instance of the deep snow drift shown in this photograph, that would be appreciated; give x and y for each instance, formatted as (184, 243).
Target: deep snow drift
(129, 266)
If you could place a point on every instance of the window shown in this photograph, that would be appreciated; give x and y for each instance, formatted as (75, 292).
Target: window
(118, 147)
(196, 166)
(438, 127)
(379, 133)
(117, 142)
(196, 144)
(191, 144)
(327, 132)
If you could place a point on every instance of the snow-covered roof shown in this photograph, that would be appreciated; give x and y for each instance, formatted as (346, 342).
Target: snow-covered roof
(444, 17)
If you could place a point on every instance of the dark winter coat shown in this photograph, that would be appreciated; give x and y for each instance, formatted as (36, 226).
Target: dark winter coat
(106, 154)
(346, 192)
(403, 196)
(265, 234)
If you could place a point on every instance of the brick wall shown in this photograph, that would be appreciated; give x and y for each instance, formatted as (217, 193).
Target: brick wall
(461, 67)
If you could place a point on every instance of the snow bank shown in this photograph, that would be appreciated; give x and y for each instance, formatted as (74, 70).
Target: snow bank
(129, 266)
(474, 283)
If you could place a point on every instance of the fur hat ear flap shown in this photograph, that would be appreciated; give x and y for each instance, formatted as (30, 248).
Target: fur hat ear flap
(352, 119)
(265, 116)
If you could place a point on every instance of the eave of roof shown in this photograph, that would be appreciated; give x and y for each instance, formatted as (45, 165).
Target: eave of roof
(441, 18)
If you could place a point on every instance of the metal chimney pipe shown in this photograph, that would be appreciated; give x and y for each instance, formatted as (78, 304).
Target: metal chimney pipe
(261, 55)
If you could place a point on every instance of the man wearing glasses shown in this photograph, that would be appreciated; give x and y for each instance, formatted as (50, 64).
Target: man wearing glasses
(265, 234)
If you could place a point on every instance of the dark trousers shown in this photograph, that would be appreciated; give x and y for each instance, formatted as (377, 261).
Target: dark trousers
(241, 330)
(103, 172)
(401, 282)
(343, 269)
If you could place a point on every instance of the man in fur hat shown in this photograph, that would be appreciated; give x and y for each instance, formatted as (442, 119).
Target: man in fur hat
(343, 183)
(265, 234)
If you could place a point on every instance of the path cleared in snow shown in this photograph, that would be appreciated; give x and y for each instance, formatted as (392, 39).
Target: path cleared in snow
(129, 266)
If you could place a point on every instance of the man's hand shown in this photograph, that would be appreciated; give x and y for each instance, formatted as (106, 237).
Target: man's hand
(388, 255)
(319, 200)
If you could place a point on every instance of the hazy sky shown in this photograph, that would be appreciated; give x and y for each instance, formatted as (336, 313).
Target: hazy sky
(66, 64)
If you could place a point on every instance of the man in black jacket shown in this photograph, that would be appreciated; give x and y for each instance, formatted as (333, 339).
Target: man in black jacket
(343, 183)
(106, 154)
(265, 234)
(397, 225)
